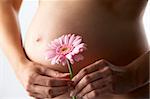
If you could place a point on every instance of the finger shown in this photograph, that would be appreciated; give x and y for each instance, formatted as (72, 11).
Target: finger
(53, 73)
(95, 94)
(47, 92)
(36, 95)
(48, 81)
(57, 91)
(39, 90)
(42, 98)
(90, 78)
(95, 85)
(89, 69)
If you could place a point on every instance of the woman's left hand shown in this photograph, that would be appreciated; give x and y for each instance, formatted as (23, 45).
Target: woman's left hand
(93, 81)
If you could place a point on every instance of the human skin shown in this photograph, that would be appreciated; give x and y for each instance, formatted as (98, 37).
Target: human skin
(112, 30)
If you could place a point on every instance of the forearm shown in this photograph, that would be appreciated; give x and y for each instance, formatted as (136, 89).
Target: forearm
(10, 38)
(139, 70)
(133, 76)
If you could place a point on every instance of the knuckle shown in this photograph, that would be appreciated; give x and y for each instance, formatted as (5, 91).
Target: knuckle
(43, 70)
(85, 97)
(87, 78)
(50, 93)
(29, 80)
(50, 82)
(91, 86)
(30, 94)
(32, 77)
(85, 71)
(107, 72)
(57, 74)
(94, 94)
(28, 87)
(103, 62)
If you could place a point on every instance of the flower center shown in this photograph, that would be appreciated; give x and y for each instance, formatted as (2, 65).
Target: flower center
(64, 49)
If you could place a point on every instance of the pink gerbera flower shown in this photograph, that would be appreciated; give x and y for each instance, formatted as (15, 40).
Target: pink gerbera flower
(65, 47)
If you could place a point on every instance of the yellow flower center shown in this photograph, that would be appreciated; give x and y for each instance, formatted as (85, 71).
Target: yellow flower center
(64, 49)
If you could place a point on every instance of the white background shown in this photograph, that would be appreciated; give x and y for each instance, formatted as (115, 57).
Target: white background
(10, 88)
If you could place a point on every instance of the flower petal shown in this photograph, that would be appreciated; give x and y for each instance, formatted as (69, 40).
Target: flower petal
(78, 57)
(71, 39)
(53, 60)
(77, 42)
(54, 44)
(66, 40)
(69, 56)
(63, 62)
(61, 58)
(61, 40)
(77, 38)
(50, 54)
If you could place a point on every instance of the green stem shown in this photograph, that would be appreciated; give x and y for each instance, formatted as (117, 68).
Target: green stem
(71, 73)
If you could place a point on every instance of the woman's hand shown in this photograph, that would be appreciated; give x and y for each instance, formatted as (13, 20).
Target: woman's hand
(42, 82)
(93, 81)
(96, 80)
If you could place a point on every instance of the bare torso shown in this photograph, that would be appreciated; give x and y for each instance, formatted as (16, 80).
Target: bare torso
(112, 29)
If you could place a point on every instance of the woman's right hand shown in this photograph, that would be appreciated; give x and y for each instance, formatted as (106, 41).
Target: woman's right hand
(42, 82)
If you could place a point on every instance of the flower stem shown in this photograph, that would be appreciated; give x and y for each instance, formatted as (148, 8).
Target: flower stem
(71, 73)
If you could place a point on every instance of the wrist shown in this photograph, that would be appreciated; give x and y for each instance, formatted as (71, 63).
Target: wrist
(122, 79)
(20, 63)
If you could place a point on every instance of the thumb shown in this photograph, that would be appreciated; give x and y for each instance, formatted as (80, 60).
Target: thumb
(54, 73)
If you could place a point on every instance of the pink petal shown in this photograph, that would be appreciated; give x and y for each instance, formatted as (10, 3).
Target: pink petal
(54, 44)
(71, 61)
(53, 60)
(71, 39)
(78, 48)
(77, 42)
(78, 57)
(69, 56)
(69, 35)
(61, 40)
(66, 39)
(77, 38)
(63, 62)
(60, 58)
(50, 54)
(75, 50)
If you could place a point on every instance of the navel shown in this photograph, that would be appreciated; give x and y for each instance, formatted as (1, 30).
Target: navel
(38, 39)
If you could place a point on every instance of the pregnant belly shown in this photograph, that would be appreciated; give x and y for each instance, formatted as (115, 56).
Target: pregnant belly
(113, 40)
(118, 54)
